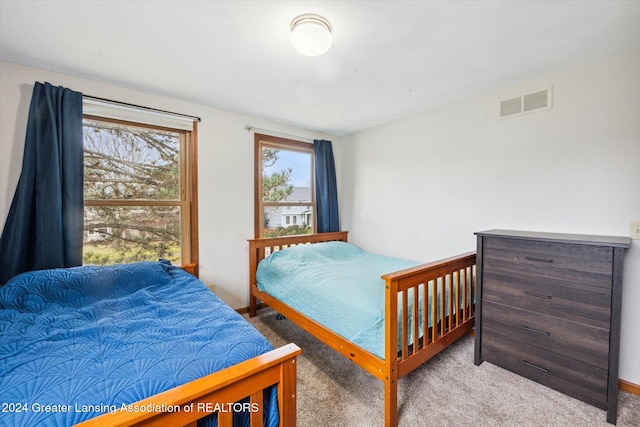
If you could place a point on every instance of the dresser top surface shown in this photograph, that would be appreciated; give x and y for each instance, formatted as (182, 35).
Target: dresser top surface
(582, 239)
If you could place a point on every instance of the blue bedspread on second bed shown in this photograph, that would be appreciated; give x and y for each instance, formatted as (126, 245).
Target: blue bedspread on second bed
(88, 336)
(336, 284)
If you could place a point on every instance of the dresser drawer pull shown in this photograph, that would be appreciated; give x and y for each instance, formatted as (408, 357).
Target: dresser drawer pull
(531, 258)
(533, 294)
(539, 368)
(535, 331)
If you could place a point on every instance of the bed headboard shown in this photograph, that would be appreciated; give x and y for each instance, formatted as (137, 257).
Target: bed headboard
(262, 247)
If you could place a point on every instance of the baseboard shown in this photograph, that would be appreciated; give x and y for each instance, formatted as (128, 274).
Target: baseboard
(244, 310)
(629, 387)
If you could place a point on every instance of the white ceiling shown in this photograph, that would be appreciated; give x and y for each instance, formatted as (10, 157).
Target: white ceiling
(389, 59)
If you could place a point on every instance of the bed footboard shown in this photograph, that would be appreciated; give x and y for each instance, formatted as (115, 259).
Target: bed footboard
(436, 298)
(184, 405)
(428, 307)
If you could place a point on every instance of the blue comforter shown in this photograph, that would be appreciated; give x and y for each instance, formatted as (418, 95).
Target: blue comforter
(336, 284)
(78, 342)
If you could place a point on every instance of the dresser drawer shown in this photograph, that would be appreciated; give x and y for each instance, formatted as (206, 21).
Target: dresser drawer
(574, 340)
(582, 264)
(566, 300)
(568, 376)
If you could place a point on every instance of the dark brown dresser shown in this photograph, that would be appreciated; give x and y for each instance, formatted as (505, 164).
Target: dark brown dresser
(548, 308)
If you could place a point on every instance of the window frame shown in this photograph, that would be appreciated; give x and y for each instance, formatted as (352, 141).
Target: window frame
(270, 141)
(188, 189)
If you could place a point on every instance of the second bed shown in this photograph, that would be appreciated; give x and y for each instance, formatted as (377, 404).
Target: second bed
(387, 315)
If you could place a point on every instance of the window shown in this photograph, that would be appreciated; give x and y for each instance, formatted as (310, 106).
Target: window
(139, 191)
(284, 199)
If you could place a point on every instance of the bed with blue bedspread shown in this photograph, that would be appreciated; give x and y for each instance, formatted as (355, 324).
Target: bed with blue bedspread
(387, 315)
(79, 342)
(326, 281)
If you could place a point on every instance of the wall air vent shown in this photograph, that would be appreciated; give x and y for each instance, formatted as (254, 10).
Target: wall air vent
(526, 103)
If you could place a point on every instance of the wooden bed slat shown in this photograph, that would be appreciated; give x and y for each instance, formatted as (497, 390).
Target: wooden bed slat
(405, 324)
(450, 307)
(257, 399)
(465, 296)
(434, 310)
(416, 325)
(225, 419)
(442, 297)
(425, 317)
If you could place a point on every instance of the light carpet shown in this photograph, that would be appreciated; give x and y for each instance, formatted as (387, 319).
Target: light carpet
(449, 390)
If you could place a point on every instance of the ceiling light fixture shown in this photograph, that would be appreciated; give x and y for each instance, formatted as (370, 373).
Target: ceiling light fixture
(311, 34)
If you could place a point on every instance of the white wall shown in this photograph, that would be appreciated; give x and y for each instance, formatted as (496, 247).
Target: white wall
(225, 170)
(420, 187)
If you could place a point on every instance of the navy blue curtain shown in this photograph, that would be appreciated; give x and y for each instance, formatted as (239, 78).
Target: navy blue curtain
(326, 188)
(45, 222)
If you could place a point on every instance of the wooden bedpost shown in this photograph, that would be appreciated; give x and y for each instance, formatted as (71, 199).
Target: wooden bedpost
(391, 402)
(253, 263)
(391, 355)
(287, 390)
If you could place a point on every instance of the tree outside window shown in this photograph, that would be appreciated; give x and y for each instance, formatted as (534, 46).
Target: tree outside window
(137, 193)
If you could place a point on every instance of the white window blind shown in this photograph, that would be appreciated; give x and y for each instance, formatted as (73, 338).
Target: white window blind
(114, 110)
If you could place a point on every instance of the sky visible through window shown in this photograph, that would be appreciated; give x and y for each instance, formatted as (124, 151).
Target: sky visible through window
(299, 162)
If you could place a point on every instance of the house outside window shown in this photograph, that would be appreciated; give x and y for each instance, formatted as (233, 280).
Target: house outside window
(139, 191)
(284, 199)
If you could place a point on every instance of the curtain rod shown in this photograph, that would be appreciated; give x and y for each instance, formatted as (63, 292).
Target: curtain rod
(250, 128)
(142, 107)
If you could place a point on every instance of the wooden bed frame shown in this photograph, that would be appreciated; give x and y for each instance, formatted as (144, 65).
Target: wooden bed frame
(246, 379)
(198, 398)
(396, 364)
